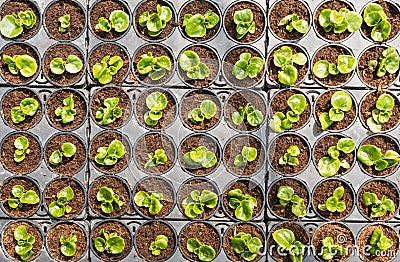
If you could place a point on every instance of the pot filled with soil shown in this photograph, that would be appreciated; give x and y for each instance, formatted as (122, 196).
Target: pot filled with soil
(200, 110)
(65, 20)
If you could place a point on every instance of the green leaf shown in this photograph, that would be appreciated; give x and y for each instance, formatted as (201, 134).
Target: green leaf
(26, 64)
(385, 102)
(17, 191)
(56, 210)
(68, 149)
(284, 238)
(156, 101)
(21, 143)
(119, 20)
(244, 211)
(55, 157)
(285, 193)
(346, 63)
(346, 145)
(321, 69)
(381, 31)
(20, 233)
(325, 121)
(288, 76)
(328, 167)
(74, 64)
(208, 108)
(369, 154)
(239, 69)
(29, 106)
(57, 66)
(195, 25)
(30, 197)
(206, 253)
(341, 100)
(298, 103)
(9, 27)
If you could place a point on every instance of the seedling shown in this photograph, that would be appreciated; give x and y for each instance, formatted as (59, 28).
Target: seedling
(20, 197)
(333, 204)
(375, 17)
(21, 64)
(24, 243)
(67, 150)
(195, 203)
(110, 112)
(118, 20)
(110, 243)
(150, 200)
(161, 243)
(107, 67)
(27, 107)
(287, 196)
(382, 112)
(244, 23)
(246, 245)
(157, 158)
(340, 21)
(345, 64)
(247, 66)
(109, 156)
(329, 165)
(59, 207)
(249, 115)
(72, 65)
(330, 250)
(189, 62)
(379, 242)
(388, 62)
(287, 243)
(200, 157)
(68, 245)
(341, 102)
(12, 26)
(154, 67)
(294, 22)
(242, 203)
(281, 122)
(156, 102)
(289, 158)
(109, 200)
(156, 22)
(197, 25)
(21, 145)
(249, 154)
(371, 155)
(64, 23)
(203, 251)
(378, 207)
(206, 110)
(285, 60)
(66, 113)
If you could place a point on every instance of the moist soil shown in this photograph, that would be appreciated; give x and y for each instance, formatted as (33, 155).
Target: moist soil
(333, 5)
(61, 8)
(242, 228)
(18, 49)
(323, 105)
(151, 7)
(124, 103)
(193, 100)
(200, 185)
(119, 188)
(368, 74)
(325, 190)
(112, 50)
(10, 243)
(273, 200)
(154, 184)
(77, 203)
(284, 8)
(279, 104)
(242, 98)
(331, 53)
(380, 188)
(149, 143)
(104, 9)
(258, 17)
(232, 57)
(234, 147)
(169, 112)
(208, 57)
(148, 233)
(205, 233)
(365, 236)
(113, 227)
(14, 99)
(195, 141)
(31, 161)
(279, 148)
(6, 193)
(56, 100)
(65, 229)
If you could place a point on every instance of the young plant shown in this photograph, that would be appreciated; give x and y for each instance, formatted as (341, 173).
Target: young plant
(244, 23)
(109, 156)
(340, 21)
(371, 155)
(20, 197)
(249, 115)
(72, 65)
(21, 145)
(107, 67)
(24, 243)
(248, 154)
(379, 242)
(110, 112)
(285, 60)
(66, 113)
(68, 245)
(157, 158)
(21, 64)
(156, 102)
(200, 157)
(197, 25)
(195, 203)
(281, 122)
(64, 23)
(378, 207)
(375, 17)
(242, 203)
(156, 22)
(161, 243)
(12, 26)
(154, 67)
(206, 110)
(330, 250)
(287, 242)
(203, 251)
(109, 200)
(27, 107)
(289, 158)
(287, 196)
(382, 112)
(110, 243)
(246, 245)
(341, 102)
(189, 61)
(59, 207)
(329, 165)
(118, 20)
(150, 200)
(67, 150)
(294, 22)
(388, 62)
(333, 204)
(247, 66)
(345, 64)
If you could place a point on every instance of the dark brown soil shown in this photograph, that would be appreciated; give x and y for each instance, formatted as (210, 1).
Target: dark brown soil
(284, 8)
(286, 211)
(323, 105)
(205, 233)
(61, 8)
(13, 99)
(6, 192)
(380, 188)
(31, 161)
(279, 104)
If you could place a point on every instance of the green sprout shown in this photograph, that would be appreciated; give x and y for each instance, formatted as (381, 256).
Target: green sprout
(20, 197)
(118, 20)
(294, 22)
(378, 207)
(107, 67)
(247, 66)
(330, 250)
(64, 23)
(24, 243)
(27, 107)
(379, 242)
(249, 154)
(195, 203)
(68, 245)
(289, 158)
(200, 157)
(156, 22)
(109, 200)
(161, 243)
(59, 207)
(154, 67)
(247, 246)
(110, 243)
(287, 242)
(72, 65)
(381, 113)
(287, 196)
(67, 150)
(66, 113)
(203, 251)
(110, 112)
(341, 102)
(249, 115)
(150, 200)
(156, 102)
(242, 203)
(371, 155)
(244, 23)
(345, 64)
(388, 62)
(157, 158)
(12, 26)
(340, 21)
(333, 204)
(189, 61)
(109, 156)
(197, 25)
(24, 64)
(21, 145)
(206, 110)
(375, 17)
(285, 60)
